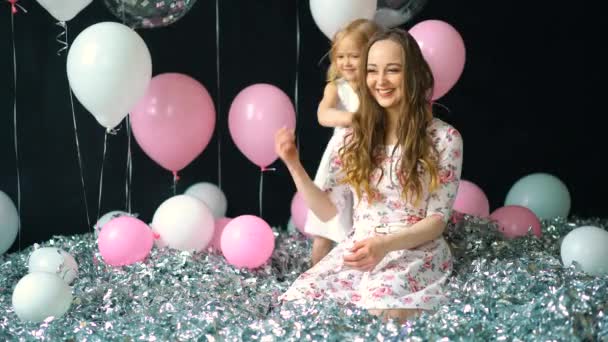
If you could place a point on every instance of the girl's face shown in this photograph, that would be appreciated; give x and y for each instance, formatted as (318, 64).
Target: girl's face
(347, 59)
(385, 73)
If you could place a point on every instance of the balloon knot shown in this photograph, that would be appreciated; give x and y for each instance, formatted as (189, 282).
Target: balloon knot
(13, 6)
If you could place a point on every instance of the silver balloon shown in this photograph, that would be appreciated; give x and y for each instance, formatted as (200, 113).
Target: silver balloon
(149, 13)
(393, 13)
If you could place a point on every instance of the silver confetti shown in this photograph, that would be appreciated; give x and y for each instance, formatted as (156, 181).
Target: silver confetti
(514, 290)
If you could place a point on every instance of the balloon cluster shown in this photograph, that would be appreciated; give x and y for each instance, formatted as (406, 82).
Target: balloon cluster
(532, 199)
(172, 115)
(193, 222)
(134, 13)
(53, 268)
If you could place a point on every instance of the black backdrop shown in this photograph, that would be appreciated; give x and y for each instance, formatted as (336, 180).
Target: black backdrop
(527, 102)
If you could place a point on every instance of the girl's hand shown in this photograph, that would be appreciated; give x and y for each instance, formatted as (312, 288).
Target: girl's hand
(285, 146)
(366, 254)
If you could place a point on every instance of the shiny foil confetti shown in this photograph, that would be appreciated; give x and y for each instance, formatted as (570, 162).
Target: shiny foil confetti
(515, 290)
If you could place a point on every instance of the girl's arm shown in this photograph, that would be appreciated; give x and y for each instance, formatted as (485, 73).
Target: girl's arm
(327, 114)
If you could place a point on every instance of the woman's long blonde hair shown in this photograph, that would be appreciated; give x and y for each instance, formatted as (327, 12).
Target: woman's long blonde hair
(418, 156)
(360, 30)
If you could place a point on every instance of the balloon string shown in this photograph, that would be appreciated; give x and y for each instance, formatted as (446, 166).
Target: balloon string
(63, 43)
(129, 173)
(103, 160)
(261, 193)
(122, 11)
(297, 79)
(219, 103)
(16, 140)
(175, 180)
(441, 105)
(79, 155)
(322, 58)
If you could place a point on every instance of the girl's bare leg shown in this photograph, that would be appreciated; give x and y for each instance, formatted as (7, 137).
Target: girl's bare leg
(320, 248)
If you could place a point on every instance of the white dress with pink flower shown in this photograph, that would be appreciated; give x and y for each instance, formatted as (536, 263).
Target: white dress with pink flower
(404, 279)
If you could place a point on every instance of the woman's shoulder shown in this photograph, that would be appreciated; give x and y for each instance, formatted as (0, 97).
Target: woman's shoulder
(442, 131)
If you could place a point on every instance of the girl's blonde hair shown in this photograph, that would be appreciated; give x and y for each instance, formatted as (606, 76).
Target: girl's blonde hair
(360, 30)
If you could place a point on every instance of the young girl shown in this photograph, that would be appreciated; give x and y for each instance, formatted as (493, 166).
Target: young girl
(336, 109)
(403, 167)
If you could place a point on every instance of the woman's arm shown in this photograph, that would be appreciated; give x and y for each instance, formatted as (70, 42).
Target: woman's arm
(366, 254)
(316, 199)
(417, 234)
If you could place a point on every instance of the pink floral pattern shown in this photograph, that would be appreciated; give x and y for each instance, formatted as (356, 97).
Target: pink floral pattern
(403, 279)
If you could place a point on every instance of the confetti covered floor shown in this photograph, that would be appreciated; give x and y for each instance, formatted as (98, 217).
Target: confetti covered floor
(500, 290)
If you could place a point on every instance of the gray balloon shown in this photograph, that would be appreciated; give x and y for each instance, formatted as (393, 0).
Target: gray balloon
(9, 222)
(393, 13)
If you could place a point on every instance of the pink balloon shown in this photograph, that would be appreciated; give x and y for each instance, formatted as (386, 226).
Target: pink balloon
(255, 115)
(471, 200)
(299, 212)
(220, 224)
(444, 51)
(174, 121)
(125, 240)
(247, 241)
(515, 220)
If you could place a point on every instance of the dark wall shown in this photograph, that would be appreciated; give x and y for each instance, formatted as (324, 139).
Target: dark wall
(527, 102)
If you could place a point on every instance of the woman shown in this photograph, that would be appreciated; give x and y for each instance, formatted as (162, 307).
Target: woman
(403, 168)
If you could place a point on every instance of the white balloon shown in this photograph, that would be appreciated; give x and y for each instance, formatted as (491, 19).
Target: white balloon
(332, 15)
(184, 223)
(107, 217)
(9, 222)
(64, 10)
(109, 69)
(211, 195)
(588, 246)
(54, 260)
(40, 295)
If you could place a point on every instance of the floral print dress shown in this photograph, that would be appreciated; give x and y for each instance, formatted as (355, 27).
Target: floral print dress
(404, 279)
